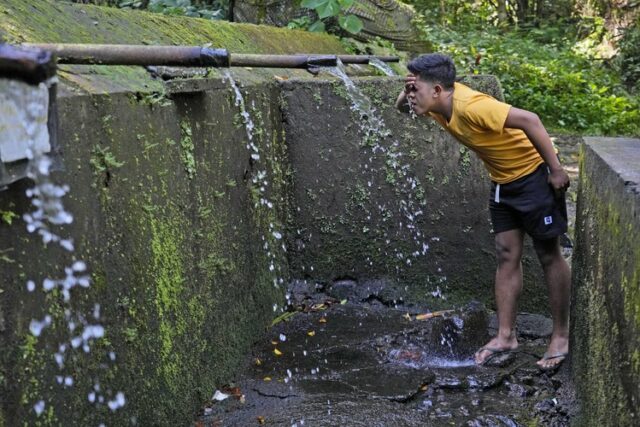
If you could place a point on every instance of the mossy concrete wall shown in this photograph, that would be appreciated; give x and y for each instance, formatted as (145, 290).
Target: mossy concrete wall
(605, 314)
(169, 220)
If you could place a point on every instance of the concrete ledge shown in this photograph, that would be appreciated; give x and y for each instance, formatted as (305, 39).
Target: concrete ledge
(606, 283)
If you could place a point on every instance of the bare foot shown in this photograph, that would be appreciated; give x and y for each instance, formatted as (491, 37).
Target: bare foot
(557, 351)
(495, 346)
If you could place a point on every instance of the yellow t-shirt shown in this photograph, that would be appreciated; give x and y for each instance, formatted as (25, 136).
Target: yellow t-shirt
(477, 121)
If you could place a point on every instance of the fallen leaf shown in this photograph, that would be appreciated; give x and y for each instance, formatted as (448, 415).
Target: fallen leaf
(424, 387)
(267, 378)
(260, 420)
(258, 362)
(343, 302)
(233, 391)
(281, 78)
(426, 316)
(277, 352)
(274, 342)
(407, 316)
(317, 307)
(323, 320)
(311, 333)
(283, 317)
(242, 399)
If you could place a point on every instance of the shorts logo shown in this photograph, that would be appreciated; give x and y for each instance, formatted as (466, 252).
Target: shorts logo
(548, 220)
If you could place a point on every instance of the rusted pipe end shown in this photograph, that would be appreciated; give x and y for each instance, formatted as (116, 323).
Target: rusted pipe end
(29, 65)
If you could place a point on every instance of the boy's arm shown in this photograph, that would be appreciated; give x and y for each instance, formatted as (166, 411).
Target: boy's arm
(534, 129)
(402, 103)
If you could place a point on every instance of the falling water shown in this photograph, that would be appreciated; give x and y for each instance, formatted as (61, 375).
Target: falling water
(273, 243)
(375, 131)
(29, 106)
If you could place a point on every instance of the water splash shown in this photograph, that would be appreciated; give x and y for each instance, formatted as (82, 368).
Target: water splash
(31, 113)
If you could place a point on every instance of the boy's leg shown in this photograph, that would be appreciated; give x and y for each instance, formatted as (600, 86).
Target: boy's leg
(557, 276)
(507, 288)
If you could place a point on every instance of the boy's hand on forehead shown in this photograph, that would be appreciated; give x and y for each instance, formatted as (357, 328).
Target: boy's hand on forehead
(409, 83)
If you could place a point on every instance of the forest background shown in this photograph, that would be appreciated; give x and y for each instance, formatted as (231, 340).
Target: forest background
(575, 63)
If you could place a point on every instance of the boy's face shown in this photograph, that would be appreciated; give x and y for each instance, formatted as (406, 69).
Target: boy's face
(424, 96)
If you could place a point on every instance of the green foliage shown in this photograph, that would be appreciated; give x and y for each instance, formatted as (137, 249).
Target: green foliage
(568, 90)
(7, 216)
(628, 59)
(207, 9)
(326, 10)
(214, 10)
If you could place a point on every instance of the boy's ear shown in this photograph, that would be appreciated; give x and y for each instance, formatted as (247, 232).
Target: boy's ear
(437, 90)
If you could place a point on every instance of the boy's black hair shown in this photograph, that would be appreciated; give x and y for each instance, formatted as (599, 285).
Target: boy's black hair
(434, 67)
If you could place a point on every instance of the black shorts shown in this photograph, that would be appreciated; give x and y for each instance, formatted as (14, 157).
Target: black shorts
(529, 203)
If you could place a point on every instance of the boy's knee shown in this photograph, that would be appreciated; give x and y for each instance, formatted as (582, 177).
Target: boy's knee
(508, 254)
(548, 251)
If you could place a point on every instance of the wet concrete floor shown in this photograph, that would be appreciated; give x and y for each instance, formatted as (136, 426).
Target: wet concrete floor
(336, 363)
(372, 363)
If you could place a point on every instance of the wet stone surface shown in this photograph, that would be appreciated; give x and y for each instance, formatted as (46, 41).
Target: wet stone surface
(337, 362)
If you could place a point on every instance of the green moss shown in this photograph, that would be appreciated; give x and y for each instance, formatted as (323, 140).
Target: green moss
(186, 144)
(32, 363)
(607, 272)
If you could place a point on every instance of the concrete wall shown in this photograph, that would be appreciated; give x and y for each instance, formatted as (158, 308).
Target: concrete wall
(168, 219)
(606, 283)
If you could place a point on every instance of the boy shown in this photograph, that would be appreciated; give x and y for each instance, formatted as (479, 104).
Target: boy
(527, 191)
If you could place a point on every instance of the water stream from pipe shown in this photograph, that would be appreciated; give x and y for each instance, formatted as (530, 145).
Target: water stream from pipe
(30, 106)
(377, 140)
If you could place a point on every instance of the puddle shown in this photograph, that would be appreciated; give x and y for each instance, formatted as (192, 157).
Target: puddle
(362, 364)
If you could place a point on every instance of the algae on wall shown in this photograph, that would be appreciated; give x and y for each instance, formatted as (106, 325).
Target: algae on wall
(606, 291)
(173, 235)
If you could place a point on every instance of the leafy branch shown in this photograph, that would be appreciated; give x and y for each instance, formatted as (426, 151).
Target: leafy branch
(326, 9)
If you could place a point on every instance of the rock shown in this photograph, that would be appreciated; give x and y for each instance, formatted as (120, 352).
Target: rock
(343, 289)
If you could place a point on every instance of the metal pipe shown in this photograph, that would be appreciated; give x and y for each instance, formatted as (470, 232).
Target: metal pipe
(32, 66)
(364, 59)
(113, 54)
(191, 56)
(282, 61)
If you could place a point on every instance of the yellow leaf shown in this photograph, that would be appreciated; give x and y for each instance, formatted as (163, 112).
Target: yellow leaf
(258, 362)
(311, 333)
(260, 420)
(277, 352)
(281, 78)
(267, 378)
(424, 387)
(426, 316)
(407, 316)
(323, 320)
(274, 342)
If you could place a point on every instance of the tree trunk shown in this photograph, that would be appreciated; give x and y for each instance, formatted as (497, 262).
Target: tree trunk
(522, 11)
(502, 12)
